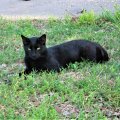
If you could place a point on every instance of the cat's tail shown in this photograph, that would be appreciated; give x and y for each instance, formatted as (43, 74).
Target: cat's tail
(101, 55)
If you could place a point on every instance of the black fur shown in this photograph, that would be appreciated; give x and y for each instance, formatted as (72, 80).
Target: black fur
(38, 57)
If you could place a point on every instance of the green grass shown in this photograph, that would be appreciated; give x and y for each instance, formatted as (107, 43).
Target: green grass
(92, 89)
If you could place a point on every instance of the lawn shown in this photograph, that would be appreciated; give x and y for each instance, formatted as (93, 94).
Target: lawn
(83, 91)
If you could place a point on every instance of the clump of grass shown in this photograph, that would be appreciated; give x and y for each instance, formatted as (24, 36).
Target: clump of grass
(111, 17)
(87, 18)
(117, 13)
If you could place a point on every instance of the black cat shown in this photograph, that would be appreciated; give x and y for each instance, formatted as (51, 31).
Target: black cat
(38, 57)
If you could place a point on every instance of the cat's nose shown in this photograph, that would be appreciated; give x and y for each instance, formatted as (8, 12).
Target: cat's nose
(33, 55)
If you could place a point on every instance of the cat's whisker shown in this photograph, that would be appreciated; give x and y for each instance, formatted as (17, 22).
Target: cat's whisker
(29, 49)
(38, 48)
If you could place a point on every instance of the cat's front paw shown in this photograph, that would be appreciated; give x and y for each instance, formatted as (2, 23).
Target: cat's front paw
(20, 74)
(26, 72)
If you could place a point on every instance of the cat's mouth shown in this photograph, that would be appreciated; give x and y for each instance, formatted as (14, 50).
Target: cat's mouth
(34, 58)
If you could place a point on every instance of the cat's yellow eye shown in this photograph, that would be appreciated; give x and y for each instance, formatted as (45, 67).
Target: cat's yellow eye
(38, 48)
(29, 49)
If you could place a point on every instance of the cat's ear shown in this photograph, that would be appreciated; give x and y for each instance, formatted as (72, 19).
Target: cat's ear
(42, 39)
(25, 40)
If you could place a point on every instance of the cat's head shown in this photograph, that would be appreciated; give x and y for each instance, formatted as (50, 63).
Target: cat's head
(34, 47)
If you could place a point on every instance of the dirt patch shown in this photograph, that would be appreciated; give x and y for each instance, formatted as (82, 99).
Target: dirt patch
(72, 75)
(35, 100)
(11, 67)
(38, 24)
(111, 113)
(10, 70)
(68, 110)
